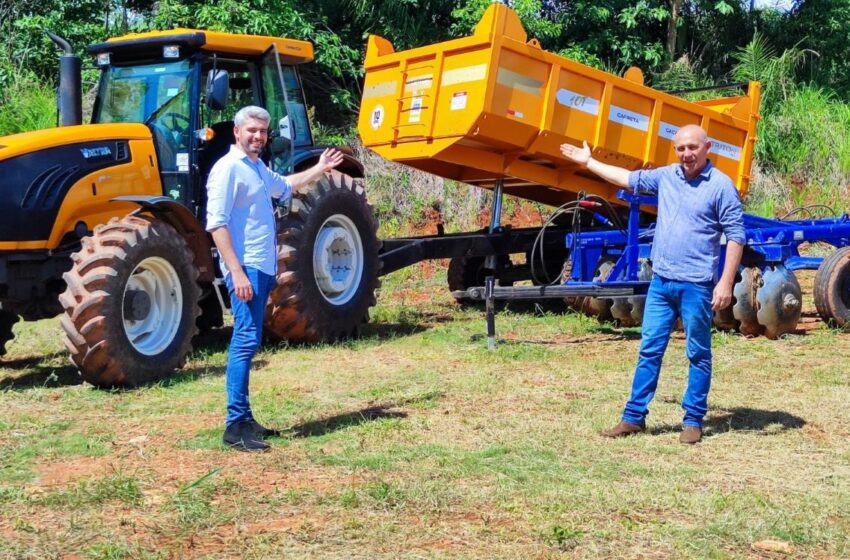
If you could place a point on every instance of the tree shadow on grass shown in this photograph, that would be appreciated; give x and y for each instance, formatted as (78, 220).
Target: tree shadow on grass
(41, 376)
(341, 421)
(742, 419)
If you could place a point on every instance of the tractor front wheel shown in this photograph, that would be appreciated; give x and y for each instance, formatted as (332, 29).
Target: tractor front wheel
(131, 302)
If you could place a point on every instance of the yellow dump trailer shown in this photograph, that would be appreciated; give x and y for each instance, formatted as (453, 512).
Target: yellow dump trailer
(495, 105)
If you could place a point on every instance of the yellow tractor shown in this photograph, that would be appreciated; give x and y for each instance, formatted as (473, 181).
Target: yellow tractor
(104, 222)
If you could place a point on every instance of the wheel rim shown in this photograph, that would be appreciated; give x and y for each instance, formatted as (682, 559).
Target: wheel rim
(338, 259)
(152, 332)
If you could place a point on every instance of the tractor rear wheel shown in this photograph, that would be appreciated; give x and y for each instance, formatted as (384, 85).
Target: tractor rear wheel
(131, 302)
(327, 263)
(832, 288)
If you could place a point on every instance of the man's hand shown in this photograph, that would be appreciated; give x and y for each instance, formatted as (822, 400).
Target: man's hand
(722, 296)
(576, 154)
(241, 285)
(329, 159)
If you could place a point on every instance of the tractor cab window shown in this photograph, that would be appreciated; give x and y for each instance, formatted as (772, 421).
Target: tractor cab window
(154, 94)
(283, 129)
(241, 92)
(297, 107)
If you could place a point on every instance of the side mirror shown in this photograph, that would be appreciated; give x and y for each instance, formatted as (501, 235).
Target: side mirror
(285, 128)
(218, 89)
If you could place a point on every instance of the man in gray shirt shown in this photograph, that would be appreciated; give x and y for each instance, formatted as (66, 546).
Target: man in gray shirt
(697, 204)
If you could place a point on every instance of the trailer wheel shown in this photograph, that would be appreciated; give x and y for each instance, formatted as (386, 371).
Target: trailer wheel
(131, 302)
(7, 319)
(832, 288)
(467, 272)
(327, 260)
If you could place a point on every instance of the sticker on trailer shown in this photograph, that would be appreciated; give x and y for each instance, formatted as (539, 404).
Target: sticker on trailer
(518, 82)
(377, 117)
(629, 118)
(667, 130)
(415, 110)
(380, 89)
(458, 101)
(726, 150)
(573, 100)
(463, 75)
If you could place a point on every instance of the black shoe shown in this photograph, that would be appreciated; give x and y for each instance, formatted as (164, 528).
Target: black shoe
(240, 435)
(261, 431)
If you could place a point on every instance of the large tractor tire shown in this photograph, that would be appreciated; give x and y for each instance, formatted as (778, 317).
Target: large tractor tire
(7, 319)
(327, 263)
(131, 302)
(832, 288)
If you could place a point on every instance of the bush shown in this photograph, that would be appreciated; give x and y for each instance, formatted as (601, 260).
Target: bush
(803, 154)
(26, 103)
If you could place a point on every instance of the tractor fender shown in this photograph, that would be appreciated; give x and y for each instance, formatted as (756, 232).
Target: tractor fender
(307, 157)
(187, 225)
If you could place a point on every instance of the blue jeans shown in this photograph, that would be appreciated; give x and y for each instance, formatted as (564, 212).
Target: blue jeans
(666, 301)
(247, 334)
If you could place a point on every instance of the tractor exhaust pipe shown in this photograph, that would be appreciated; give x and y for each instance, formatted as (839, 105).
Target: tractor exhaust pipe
(70, 98)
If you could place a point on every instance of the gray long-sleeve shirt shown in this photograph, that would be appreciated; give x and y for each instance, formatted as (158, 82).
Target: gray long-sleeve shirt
(692, 216)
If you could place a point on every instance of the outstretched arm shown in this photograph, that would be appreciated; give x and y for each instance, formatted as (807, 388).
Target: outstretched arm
(582, 156)
(329, 159)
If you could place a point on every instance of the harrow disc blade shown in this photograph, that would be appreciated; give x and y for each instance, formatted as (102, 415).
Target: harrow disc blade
(621, 310)
(599, 307)
(629, 310)
(745, 308)
(724, 319)
(780, 301)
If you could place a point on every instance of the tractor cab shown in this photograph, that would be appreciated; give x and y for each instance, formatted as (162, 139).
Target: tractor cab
(186, 85)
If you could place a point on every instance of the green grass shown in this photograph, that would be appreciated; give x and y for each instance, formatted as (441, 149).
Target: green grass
(416, 442)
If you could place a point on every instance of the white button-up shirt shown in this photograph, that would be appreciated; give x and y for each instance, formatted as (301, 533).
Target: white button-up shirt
(239, 196)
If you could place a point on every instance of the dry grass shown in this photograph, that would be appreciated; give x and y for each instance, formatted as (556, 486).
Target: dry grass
(415, 442)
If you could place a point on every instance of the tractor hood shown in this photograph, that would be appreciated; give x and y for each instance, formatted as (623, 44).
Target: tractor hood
(86, 134)
(39, 169)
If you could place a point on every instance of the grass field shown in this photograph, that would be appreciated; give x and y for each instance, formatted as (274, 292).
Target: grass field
(416, 442)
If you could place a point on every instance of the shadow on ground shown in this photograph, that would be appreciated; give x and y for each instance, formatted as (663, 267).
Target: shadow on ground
(342, 421)
(763, 422)
(38, 375)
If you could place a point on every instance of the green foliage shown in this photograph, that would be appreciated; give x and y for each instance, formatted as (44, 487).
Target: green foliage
(25, 102)
(530, 12)
(806, 141)
(759, 61)
(822, 26)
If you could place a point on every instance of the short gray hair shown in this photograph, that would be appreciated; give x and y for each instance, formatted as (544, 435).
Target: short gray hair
(251, 112)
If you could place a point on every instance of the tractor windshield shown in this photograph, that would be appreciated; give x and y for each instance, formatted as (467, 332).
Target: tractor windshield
(156, 95)
(135, 93)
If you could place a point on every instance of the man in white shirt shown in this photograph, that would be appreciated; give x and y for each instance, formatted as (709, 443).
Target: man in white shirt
(240, 218)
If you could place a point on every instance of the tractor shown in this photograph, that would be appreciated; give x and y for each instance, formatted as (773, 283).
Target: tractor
(104, 222)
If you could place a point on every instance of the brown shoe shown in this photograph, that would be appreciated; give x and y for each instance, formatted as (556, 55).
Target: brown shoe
(623, 429)
(690, 435)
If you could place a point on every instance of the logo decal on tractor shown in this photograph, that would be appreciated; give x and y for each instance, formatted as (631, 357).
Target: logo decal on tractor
(101, 151)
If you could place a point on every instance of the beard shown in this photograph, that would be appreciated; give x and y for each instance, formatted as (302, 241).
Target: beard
(253, 147)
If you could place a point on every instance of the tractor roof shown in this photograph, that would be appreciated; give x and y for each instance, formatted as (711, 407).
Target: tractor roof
(141, 45)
